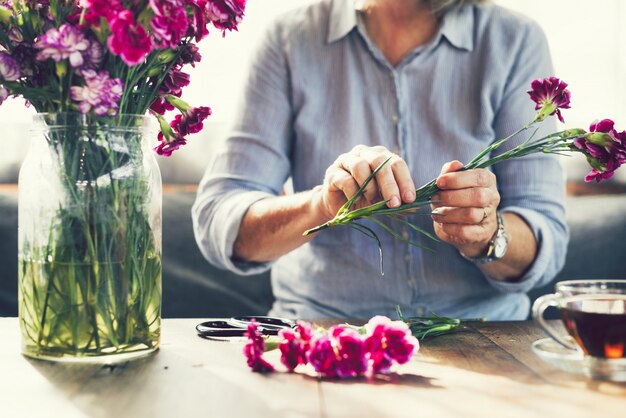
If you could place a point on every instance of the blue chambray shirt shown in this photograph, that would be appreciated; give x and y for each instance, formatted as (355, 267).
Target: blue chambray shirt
(317, 87)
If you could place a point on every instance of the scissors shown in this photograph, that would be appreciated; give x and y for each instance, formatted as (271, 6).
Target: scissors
(238, 325)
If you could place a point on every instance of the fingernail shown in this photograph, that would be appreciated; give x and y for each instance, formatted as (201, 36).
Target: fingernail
(441, 182)
(409, 196)
(394, 202)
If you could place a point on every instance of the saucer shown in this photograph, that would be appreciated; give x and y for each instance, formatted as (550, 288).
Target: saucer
(577, 362)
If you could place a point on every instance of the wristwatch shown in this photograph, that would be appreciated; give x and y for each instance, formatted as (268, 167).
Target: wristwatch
(496, 249)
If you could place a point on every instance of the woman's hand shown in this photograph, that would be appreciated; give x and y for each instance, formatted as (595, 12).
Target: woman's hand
(350, 170)
(468, 201)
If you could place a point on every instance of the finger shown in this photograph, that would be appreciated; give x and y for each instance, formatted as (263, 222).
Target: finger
(385, 178)
(464, 216)
(465, 234)
(341, 180)
(466, 179)
(403, 178)
(359, 168)
(451, 166)
(465, 198)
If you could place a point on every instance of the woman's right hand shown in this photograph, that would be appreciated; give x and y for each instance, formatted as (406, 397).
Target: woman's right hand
(350, 170)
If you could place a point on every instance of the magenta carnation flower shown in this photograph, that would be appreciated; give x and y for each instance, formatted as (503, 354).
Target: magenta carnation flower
(550, 96)
(166, 148)
(295, 345)
(169, 23)
(191, 121)
(253, 350)
(129, 39)
(197, 25)
(66, 42)
(189, 55)
(96, 10)
(225, 14)
(174, 82)
(9, 68)
(100, 93)
(388, 342)
(338, 353)
(605, 149)
(160, 105)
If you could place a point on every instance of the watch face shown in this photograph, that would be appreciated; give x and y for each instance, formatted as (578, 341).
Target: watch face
(500, 245)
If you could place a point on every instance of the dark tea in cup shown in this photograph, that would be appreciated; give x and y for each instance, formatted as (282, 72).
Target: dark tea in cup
(597, 323)
(594, 314)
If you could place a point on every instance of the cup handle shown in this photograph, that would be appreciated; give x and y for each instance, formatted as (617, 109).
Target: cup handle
(539, 306)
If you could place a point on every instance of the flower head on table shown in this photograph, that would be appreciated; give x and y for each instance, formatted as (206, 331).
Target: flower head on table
(343, 351)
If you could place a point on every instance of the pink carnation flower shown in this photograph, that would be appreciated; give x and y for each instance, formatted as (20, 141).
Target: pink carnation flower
(96, 10)
(129, 39)
(191, 121)
(100, 93)
(66, 42)
(295, 345)
(388, 342)
(253, 350)
(340, 352)
(197, 25)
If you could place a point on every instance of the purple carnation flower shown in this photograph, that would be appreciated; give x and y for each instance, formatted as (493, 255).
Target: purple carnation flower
(605, 149)
(9, 68)
(550, 96)
(100, 93)
(66, 42)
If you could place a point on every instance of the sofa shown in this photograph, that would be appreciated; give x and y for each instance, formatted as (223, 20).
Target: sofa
(193, 288)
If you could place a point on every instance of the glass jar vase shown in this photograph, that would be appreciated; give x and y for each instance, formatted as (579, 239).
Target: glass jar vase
(89, 240)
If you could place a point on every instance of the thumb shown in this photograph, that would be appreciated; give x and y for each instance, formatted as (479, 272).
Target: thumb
(451, 166)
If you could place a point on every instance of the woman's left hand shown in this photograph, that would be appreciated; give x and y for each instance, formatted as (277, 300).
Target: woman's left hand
(466, 208)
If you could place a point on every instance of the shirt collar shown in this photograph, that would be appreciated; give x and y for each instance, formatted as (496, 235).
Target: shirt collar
(457, 25)
(342, 19)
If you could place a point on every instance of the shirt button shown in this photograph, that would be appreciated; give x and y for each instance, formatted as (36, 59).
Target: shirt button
(407, 257)
(405, 234)
(395, 118)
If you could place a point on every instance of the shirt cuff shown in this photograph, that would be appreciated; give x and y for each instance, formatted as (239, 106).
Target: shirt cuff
(231, 212)
(545, 245)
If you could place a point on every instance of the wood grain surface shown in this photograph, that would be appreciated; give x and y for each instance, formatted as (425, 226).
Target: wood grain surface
(487, 370)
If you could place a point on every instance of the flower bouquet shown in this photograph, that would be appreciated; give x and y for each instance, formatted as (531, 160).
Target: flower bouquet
(343, 351)
(90, 191)
(602, 145)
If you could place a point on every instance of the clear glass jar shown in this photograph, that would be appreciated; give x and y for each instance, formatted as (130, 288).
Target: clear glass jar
(89, 239)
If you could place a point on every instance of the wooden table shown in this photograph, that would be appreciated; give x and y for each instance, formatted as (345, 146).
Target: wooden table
(488, 370)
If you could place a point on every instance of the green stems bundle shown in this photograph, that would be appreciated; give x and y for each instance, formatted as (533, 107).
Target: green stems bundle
(90, 258)
(556, 143)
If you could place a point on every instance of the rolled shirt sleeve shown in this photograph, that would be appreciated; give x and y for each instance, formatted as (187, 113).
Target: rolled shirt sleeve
(252, 164)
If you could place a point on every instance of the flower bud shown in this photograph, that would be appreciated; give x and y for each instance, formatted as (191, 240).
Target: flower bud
(546, 110)
(166, 56)
(599, 138)
(573, 132)
(5, 15)
(61, 69)
(178, 103)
